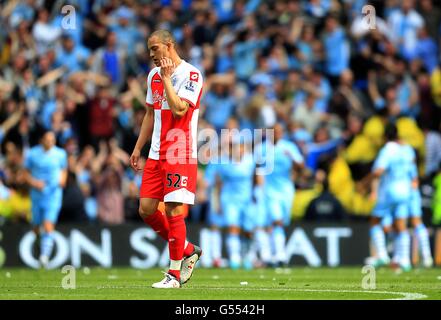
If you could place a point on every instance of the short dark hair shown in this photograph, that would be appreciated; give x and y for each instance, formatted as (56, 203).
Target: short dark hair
(164, 35)
(391, 132)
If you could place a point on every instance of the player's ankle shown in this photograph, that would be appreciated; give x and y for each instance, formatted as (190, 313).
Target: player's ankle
(175, 273)
(188, 249)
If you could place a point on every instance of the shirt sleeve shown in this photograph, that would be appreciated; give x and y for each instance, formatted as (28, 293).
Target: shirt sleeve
(191, 88)
(382, 160)
(149, 97)
(210, 174)
(413, 165)
(63, 160)
(295, 154)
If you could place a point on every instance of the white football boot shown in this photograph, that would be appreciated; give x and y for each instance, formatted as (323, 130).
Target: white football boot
(169, 282)
(188, 264)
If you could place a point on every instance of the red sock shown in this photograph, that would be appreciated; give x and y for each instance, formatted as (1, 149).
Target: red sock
(176, 243)
(188, 249)
(158, 222)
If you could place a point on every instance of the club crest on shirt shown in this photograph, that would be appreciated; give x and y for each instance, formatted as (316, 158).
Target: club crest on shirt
(190, 86)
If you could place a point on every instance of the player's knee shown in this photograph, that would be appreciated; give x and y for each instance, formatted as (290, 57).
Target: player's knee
(174, 209)
(145, 211)
(48, 226)
(374, 221)
(400, 225)
(278, 223)
(234, 230)
(415, 221)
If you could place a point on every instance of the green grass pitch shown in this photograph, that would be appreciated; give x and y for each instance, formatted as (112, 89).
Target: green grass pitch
(222, 284)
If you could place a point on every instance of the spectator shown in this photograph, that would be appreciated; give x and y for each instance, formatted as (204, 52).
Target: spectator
(219, 105)
(306, 114)
(110, 61)
(336, 48)
(427, 50)
(72, 56)
(45, 34)
(101, 116)
(108, 178)
(72, 209)
(433, 151)
(404, 24)
(431, 16)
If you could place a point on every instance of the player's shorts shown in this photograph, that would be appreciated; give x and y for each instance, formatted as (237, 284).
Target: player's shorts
(415, 205)
(46, 208)
(258, 211)
(215, 218)
(169, 182)
(237, 213)
(398, 210)
(279, 208)
(387, 220)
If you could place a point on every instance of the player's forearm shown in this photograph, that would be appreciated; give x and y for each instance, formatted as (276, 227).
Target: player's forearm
(63, 178)
(31, 181)
(146, 130)
(177, 106)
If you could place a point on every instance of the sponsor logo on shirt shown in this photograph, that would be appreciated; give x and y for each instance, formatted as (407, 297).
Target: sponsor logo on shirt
(194, 76)
(157, 97)
(184, 181)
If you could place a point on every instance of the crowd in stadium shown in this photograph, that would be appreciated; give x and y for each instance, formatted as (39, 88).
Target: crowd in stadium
(312, 66)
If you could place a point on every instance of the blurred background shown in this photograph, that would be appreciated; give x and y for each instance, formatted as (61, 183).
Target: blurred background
(312, 65)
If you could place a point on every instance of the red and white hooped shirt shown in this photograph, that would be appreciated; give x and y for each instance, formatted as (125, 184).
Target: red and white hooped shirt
(175, 137)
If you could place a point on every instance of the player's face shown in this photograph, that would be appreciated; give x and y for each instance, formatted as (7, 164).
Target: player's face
(48, 140)
(158, 50)
(278, 132)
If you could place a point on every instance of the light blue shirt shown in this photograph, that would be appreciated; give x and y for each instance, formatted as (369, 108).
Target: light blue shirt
(218, 109)
(337, 52)
(413, 169)
(245, 57)
(395, 183)
(46, 166)
(279, 180)
(237, 179)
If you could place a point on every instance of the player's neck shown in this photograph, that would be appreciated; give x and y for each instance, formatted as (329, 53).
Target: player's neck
(176, 60)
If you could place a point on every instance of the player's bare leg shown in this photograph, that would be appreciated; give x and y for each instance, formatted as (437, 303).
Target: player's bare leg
(378, 240)
(402, 244)
(423, 240)
(47, 243)
(234, 247)
(278, 238)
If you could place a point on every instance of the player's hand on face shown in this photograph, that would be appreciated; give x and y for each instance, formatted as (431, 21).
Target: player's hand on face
(134, 160)
(167, 67)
